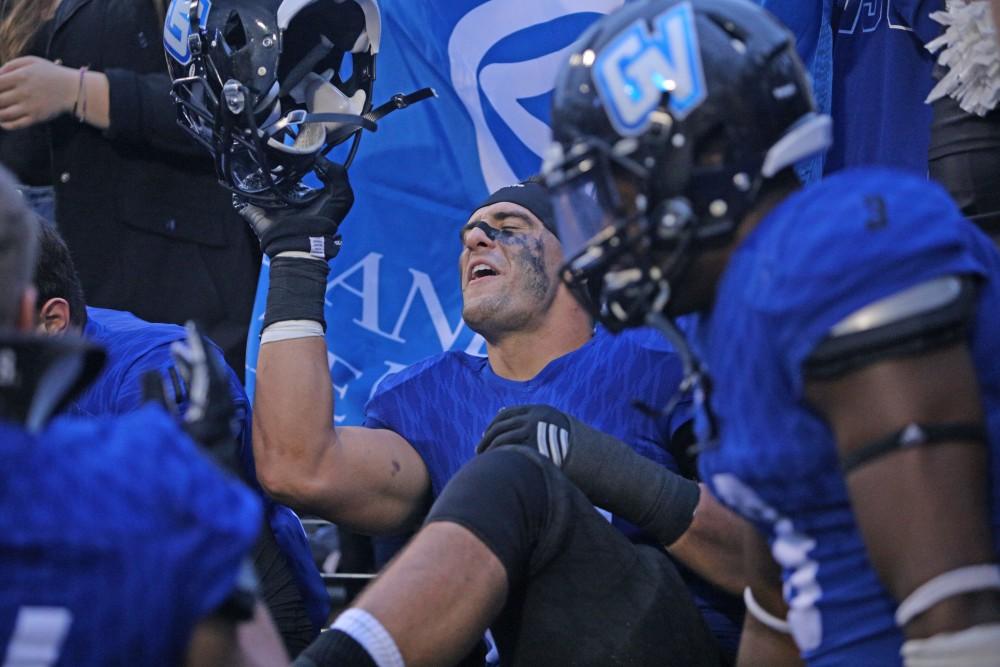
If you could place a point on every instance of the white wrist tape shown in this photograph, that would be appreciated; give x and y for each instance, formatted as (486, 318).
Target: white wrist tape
(943, 586)
(978, 646)
(301, 254)
(763, 615)
(366, 630)
(291, 329)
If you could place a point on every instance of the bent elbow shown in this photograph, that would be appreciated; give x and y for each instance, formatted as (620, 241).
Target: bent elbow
(293, 481)
(280, 482)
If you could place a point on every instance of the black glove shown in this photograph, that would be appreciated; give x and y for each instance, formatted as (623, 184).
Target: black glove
(609, 472)
(311, 229)
(297, 288)
(210, 416)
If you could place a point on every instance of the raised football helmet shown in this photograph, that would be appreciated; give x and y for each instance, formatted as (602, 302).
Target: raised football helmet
(668, 118)
(266, 86)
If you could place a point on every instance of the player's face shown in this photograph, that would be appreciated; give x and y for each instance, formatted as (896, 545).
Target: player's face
(508, 269)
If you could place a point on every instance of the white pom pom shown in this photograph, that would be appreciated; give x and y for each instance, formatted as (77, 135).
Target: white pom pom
(970, 51)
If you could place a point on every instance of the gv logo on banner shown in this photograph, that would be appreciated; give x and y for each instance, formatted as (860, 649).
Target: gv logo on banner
(502, 85)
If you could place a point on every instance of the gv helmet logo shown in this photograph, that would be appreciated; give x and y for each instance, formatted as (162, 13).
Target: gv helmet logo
(634, 71)
(177, 27)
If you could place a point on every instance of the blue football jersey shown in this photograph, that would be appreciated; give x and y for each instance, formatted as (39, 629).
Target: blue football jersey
(443, 405)
(135, 347)
(116, 536)
(822, 254)
(881, 76)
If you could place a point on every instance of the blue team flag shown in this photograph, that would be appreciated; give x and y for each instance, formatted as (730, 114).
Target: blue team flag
(393, 294)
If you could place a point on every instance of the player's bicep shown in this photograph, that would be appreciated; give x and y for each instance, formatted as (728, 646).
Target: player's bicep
(899, 363)
(384, 483)
(904, 407)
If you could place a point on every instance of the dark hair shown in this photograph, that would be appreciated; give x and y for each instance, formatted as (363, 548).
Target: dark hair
(55, 274)
(17, 249)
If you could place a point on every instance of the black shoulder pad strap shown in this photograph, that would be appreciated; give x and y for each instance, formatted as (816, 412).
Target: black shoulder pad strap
(930, 315)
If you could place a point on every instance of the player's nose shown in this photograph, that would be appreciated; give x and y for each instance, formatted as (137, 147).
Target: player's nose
(478, 235)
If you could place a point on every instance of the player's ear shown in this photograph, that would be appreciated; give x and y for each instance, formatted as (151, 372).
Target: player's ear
(54, 317)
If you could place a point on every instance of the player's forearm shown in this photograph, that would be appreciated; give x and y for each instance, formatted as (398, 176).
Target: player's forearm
(711, 546)
(293, 431)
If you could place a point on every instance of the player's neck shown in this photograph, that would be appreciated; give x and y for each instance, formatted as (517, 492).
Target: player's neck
(521, 355)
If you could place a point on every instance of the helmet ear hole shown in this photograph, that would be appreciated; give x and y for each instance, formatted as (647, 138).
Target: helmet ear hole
(234, 34)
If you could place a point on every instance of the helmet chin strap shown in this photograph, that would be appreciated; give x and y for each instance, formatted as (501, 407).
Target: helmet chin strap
(695, 380)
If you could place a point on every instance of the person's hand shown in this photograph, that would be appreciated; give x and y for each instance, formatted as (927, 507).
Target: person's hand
(210, 417)
(541, 427)
(34, 90)
(311, 229)
(608, 471)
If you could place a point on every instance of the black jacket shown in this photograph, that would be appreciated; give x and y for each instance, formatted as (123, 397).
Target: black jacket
(150, 229)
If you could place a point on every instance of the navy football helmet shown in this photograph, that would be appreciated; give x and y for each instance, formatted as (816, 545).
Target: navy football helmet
(271, 86)
(667, 120)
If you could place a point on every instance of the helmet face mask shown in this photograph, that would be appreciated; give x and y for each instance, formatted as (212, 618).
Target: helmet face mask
(669, 118)
(271, 86)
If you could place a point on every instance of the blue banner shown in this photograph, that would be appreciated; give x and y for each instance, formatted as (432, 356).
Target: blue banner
(393, 294)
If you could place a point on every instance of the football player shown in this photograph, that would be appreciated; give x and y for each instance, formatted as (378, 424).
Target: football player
(851, 329)
(120, 543)
(423, 424)
(508, 543)
(290, 583)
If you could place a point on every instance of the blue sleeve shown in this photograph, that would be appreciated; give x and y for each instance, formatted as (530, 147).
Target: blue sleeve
(385, 408)
(890, 233)
(378, 412)
(129, 396)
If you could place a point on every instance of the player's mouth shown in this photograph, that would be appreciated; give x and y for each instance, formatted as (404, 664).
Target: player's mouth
(480, 271)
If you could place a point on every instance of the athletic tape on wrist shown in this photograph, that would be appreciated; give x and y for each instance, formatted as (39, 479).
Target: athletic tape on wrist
(299, 254)
(955, 582)
(369, 632)
(763, 615)
(290, 330)
(619, 479)
(297, 291)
